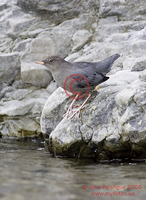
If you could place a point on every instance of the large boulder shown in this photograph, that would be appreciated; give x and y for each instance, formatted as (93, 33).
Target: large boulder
(113, 124)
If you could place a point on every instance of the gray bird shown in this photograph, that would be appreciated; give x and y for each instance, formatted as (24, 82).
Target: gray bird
(80, 78)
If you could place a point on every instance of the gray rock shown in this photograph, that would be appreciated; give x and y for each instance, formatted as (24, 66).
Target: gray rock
(23, 127)
(22, 107)
(142, 76)
(139, 65)
(22, 45)
(115, 113)
(40, 46)
(52, 87)
(122, 9)
(17, 106)
(35, 74)
(53, 111)
(80, 38)
(68, 143)
(5, 44)
(14, 25)
(10, 67)
(73, 57)
(57, 11)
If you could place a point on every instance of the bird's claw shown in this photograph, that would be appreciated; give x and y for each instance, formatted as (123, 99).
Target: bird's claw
(70, 110)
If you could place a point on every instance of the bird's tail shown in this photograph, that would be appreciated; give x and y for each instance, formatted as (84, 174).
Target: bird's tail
(105, 65)
(113, 58)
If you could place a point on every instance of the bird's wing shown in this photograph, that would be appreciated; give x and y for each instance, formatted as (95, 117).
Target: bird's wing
(103, 66)
(87, 77)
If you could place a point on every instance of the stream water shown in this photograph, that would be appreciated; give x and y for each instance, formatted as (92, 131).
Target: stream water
(28, 172)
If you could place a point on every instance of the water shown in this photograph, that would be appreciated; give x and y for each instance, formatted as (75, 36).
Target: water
(27, 172)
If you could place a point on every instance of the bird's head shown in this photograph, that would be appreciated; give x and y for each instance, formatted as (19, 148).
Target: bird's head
(51, 61)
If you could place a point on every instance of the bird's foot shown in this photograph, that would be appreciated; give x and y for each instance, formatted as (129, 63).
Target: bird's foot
(96, 88)
(77, 111)
(72, 111)
(77, 106)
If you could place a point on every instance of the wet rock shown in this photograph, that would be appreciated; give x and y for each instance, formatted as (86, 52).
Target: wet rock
(15, 127)
(66, 139)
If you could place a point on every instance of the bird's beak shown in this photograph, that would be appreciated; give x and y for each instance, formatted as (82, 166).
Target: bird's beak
(38, 62)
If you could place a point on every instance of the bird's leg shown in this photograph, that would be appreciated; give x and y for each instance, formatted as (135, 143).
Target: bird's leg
(96, 88)
(81, 107)
(70, 109)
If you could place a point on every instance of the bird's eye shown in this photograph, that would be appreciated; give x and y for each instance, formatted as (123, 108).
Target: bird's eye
(50, 60)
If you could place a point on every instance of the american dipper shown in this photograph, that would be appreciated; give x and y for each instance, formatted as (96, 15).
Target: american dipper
(79, 77)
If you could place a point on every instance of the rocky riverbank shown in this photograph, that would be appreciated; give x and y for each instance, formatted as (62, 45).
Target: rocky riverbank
(114, 122)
